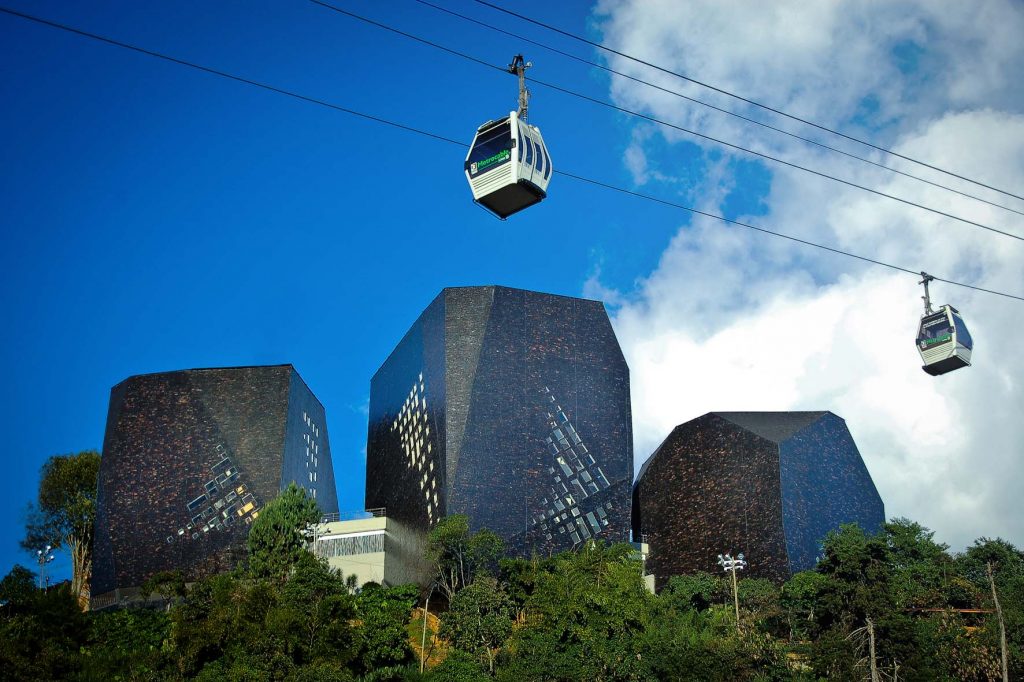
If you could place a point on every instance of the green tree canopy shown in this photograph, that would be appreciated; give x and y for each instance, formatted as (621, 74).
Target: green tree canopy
(458, 556)
(697, 591)
(479, 619)
(1007, 561)
(17, 588)
(276, 539)
(65, 512)
(383, 614)
(583, 619)
(920, 565)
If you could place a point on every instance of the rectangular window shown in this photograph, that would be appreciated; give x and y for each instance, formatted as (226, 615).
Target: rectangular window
(579, 489)
(584, 531)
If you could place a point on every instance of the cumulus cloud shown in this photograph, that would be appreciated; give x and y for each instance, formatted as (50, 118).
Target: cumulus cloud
(733, 320)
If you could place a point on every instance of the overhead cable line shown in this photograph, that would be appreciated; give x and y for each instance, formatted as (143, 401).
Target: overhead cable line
(223, 74)
(716, 140)
(708, 105)
(740, 97)
(444, 138)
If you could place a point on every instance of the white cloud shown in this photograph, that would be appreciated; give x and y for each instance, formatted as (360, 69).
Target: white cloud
(734, 320)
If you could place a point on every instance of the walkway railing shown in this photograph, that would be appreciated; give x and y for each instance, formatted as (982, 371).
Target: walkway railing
(355, 515)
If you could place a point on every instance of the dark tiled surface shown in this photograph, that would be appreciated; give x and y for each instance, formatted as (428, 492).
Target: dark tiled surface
(307, 447)
(392, 481)
(824, 484)
(714, 486)
(775, 426)
(167, 436)
(492, 358)
(711, 488)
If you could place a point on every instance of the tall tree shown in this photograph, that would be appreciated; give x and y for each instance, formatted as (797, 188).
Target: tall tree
(383, 613)
(479, 620)
(1007, 561)
(64, 514)
(921, 567)
(458, 555)
(584, 619)
(276, 539)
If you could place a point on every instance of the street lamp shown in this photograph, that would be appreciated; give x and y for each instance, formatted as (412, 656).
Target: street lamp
(729, 564)
(43, 557)
(312, 533)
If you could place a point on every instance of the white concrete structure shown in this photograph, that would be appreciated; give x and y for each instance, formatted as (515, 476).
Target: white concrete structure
(371, 547)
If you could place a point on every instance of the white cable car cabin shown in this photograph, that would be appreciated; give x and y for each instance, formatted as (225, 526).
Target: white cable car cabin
(944, 342)
(942, 337)
(508, 166)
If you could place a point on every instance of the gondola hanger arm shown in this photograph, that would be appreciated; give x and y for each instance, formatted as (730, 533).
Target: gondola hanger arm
(927, 298)
(518, 68)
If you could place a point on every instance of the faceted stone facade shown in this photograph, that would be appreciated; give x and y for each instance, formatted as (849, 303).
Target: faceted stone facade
(189, 459)
(509, 406)
(768, 484)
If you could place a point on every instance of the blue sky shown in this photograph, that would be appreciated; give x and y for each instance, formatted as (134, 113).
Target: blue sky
(157, 218)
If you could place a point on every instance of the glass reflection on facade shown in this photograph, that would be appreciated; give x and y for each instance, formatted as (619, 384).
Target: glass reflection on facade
(511, 407)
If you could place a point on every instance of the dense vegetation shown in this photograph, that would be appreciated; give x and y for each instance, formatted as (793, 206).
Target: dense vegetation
(581, 615)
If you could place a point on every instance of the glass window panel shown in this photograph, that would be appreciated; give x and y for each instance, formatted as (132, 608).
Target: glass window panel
(489, 144)
(963, 337)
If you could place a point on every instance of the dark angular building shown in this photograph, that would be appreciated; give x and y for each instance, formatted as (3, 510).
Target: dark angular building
(189, 459)
(768, 484)
(511, 407)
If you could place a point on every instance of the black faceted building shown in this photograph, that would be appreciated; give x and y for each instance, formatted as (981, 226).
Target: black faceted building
(511, 407)
(768, 484)
(189, 460)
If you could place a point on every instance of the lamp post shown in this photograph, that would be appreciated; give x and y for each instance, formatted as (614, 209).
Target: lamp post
(423, 638)
(729, 564)
(312, 533)
(43, 557)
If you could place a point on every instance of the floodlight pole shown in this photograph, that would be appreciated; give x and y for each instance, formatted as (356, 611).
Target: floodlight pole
(729, 564)
(43, 557)
(312, 533)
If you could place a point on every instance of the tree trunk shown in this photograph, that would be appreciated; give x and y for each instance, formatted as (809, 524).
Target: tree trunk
(871, 648)
(1002, 626)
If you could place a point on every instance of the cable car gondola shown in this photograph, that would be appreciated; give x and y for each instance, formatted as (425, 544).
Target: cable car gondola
(942, 337)
(508, 166)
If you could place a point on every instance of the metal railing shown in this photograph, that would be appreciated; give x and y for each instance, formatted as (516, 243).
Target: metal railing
(377, 512)
(102, 601)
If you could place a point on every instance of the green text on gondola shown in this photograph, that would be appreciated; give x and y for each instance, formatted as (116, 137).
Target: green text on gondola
(491, 160)
(941, 339)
